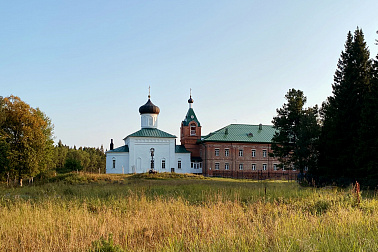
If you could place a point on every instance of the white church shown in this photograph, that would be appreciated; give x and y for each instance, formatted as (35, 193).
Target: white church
(150, 149)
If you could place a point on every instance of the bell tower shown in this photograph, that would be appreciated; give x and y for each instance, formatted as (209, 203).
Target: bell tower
(190, 131)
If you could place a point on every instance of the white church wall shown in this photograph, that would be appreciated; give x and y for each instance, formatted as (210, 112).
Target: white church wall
(121, 162)
(140, 154)
(185, 163)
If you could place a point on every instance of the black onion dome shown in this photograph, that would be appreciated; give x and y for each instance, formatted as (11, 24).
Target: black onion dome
(190, 100)
(149, 108)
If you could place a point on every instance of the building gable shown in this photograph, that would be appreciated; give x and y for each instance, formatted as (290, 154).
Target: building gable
(190, 117)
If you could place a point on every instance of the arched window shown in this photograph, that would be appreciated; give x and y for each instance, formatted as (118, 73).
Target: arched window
(193, 129)
(114, 163)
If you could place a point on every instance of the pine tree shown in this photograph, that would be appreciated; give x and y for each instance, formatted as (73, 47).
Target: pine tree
(295, 142)
(367, 159)
(342, 112)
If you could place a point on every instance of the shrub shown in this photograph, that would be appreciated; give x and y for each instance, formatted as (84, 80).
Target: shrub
(104, 245)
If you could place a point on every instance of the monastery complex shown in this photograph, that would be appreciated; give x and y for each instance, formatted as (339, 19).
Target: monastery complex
(230, 151)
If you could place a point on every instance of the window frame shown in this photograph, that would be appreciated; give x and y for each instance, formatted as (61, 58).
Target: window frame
(226, 152)
(264, 153)
(216, 166)
(265, 167)
(216, 152)
(241, 153)
(192, 129)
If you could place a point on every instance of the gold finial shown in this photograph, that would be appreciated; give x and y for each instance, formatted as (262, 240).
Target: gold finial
(149, 92)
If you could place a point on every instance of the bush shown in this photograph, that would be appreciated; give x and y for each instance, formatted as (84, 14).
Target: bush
(104, 245)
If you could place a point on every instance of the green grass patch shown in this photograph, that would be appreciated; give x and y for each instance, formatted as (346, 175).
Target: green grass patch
(179, 212)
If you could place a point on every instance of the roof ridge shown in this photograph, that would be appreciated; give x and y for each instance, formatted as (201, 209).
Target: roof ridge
(250, 124)
(140, 132)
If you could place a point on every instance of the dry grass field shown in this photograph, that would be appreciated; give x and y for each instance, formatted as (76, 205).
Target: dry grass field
(165, 212)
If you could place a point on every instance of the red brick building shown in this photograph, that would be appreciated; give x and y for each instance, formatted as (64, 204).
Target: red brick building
(238, 147)
(237, 150)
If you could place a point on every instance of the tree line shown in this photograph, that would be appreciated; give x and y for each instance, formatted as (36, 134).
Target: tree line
(27, 148)
(337, 143)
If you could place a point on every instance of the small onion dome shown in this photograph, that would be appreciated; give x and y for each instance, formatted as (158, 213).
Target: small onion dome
(190, 100)
(149, 108)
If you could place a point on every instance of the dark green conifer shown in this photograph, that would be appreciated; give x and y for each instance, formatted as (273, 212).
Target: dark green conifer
(342, 112)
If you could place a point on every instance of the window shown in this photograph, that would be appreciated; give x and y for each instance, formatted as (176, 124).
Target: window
(191, 164)
(193, 130)
(240, 153)
(240, 166)
(217, 152)
(264, 167)
(200, 165)
(275, 167)
(150, 123)
(264, 153)
(253, 153)
(179, 164)
(216, 166)
(226, 166)
(163, 164)
(253, 167)
(113, 163)
(226, 152)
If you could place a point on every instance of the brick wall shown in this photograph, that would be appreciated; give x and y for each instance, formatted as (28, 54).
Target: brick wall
(190, 141)
(214, 156)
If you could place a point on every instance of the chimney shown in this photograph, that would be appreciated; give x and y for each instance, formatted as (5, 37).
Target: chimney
(111, 144)
(260, 126)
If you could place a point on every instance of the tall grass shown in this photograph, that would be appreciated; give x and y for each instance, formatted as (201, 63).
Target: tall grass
(185, 214)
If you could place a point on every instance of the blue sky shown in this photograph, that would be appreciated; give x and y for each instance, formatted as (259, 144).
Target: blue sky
(88, 64)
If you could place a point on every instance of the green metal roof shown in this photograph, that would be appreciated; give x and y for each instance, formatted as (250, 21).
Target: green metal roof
(151, 132)
(181, 149)
(124, 148)
(190, 116)
(196, 159)
(242, 133)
